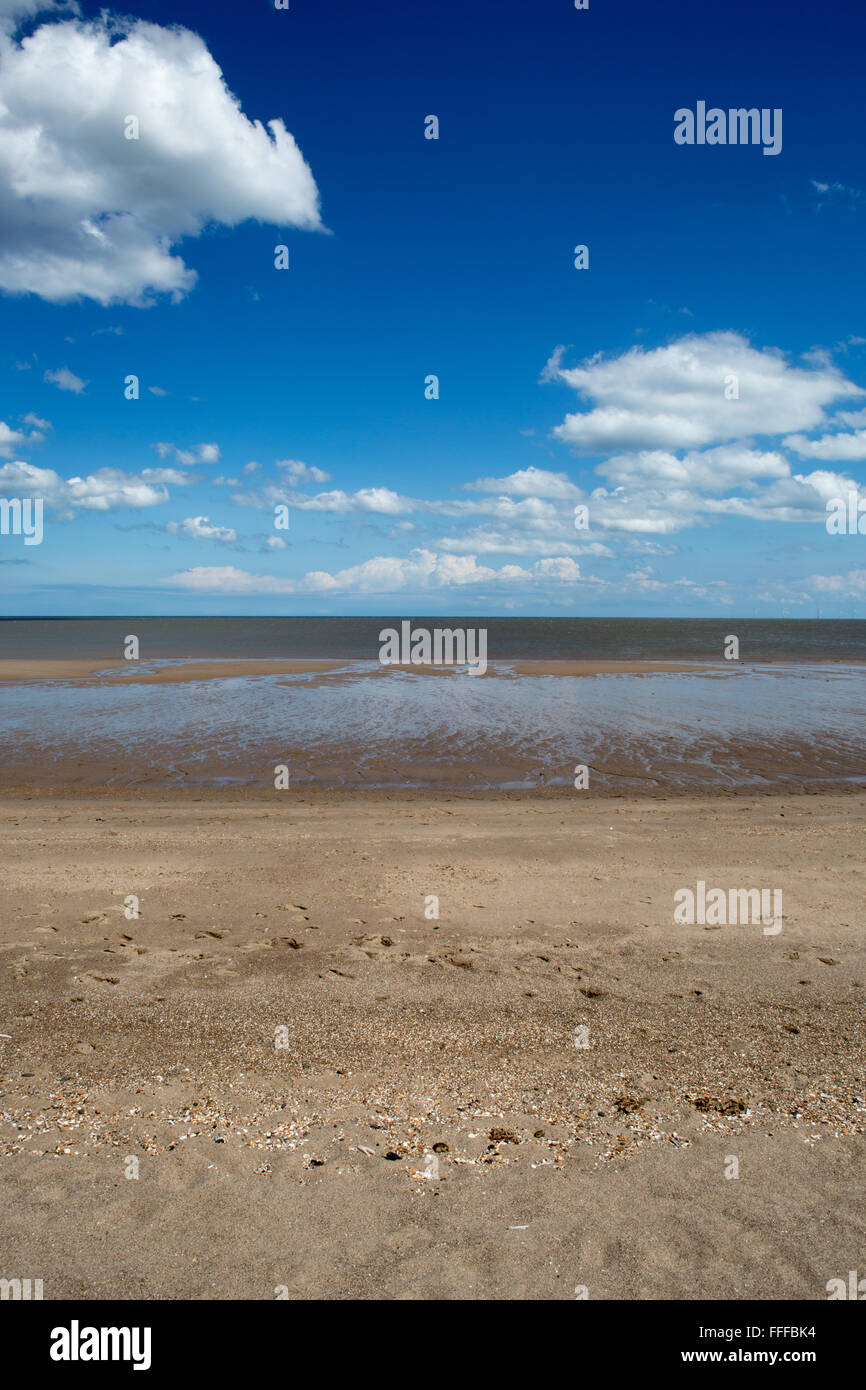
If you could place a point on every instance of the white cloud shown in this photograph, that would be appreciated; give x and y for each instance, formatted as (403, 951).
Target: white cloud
(200, 528)
(850, 585)
(197, 453)
(712, 470)
(88, 212)
(298, 472)
(561, 568)
(528, 482)
(66, 380)
(489, 540)
(11, 440)
(102, 491)
(674, 397)
(366, 499)
(802, 497)
(166, 475)
(845, 447)
(383, 574)
(836, 190)
(14, 12)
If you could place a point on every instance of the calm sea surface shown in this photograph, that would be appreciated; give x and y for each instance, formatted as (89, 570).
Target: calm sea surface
(558, 639)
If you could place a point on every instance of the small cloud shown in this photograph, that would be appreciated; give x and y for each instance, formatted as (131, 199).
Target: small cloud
(166, 475)
(200, 528)
(198, 453)
(11, 441)
(66, 380)
(839, 191)
(298, 472)
(157, 391)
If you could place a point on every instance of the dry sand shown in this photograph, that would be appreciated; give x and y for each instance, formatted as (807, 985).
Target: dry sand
(263, 1167)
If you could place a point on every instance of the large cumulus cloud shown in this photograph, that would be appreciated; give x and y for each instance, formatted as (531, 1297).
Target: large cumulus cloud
(84, 211)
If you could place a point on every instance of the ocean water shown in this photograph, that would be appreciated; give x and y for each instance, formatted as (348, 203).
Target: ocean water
(559, 639)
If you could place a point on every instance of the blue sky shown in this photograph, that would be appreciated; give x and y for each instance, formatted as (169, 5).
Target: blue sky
(410, 257)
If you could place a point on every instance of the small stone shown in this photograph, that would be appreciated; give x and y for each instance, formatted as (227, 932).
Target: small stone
(732, 1107)
(627, 1105)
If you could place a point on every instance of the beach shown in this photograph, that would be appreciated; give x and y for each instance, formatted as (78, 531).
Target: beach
(324, 978)
(550, 1090)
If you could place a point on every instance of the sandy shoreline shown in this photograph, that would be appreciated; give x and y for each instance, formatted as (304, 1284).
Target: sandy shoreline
(84, 669)
(119, 672)
(261, 1165)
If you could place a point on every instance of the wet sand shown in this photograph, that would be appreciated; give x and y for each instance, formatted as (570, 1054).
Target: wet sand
(285, 1044)
(646, 728)
(151, 673)
(169, 673)
(118, 672)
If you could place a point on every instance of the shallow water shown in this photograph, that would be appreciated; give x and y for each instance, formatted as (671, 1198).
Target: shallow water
(731, 727)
